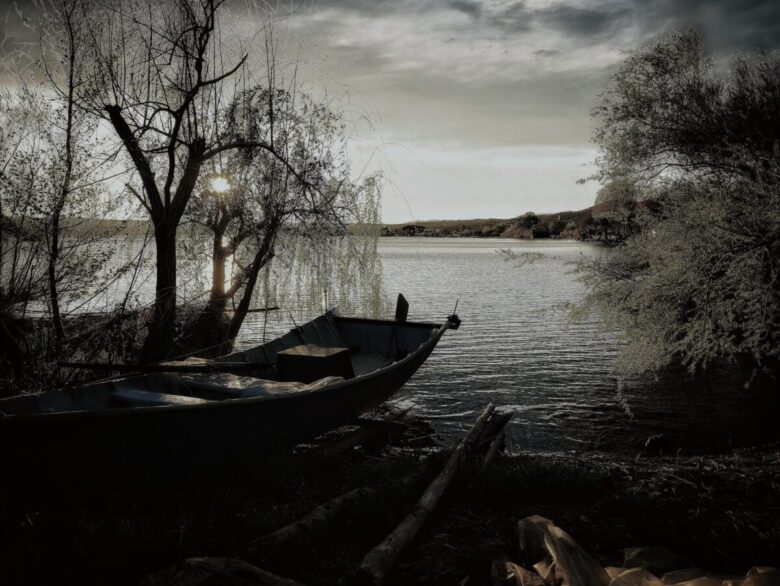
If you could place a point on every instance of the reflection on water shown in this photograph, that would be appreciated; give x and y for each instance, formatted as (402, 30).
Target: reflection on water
(516, 349)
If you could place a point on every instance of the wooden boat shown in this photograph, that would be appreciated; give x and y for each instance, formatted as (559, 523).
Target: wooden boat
(196, 414)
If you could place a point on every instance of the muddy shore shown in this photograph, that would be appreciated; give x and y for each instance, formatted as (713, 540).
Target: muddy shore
(722, 512)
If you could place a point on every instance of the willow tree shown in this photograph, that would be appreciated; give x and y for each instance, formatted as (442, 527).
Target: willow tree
(699, 282)
(162, 73)
(252, 200)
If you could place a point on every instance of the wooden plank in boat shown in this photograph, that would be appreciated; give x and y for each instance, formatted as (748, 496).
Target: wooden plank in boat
(310, 362)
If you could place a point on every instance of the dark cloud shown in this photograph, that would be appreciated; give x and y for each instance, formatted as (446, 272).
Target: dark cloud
(470, 7)
(728, 25)
(516, 16)
(512, 18)
(593, 21)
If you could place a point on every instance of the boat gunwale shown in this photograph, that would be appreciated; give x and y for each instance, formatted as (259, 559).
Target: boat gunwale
(436, 334)
(369, 320)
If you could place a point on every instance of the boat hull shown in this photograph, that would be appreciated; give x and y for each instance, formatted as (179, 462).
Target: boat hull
(179, 445)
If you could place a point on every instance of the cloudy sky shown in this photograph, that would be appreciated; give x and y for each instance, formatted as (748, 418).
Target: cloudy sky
(480, 108)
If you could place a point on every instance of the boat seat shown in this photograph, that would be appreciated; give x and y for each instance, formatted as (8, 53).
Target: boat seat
(139, 398)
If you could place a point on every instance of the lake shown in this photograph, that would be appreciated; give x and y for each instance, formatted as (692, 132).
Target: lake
(517, 348)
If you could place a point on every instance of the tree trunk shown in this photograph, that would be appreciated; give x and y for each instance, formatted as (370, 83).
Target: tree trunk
(263, 256)
(218, 273)
(159, 341)
(54, 250)
(219, 255)
(206, 335)
(54, 254)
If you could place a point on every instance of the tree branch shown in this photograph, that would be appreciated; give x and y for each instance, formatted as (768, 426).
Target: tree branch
(155, 206)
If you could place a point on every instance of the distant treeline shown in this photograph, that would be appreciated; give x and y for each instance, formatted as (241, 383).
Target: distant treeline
(579, 225)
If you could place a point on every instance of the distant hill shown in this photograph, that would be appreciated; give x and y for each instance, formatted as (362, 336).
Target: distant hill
(568, 224)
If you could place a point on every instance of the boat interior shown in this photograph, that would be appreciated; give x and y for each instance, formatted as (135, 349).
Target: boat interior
(322, 352)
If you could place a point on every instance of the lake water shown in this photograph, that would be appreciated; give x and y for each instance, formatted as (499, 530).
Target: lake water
(517, 349)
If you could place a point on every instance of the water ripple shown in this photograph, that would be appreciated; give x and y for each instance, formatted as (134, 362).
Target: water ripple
(516, 349)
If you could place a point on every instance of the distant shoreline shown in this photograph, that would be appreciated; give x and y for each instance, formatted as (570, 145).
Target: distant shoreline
(569, 225)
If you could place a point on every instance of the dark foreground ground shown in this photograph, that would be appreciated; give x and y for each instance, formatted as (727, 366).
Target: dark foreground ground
(720, 512)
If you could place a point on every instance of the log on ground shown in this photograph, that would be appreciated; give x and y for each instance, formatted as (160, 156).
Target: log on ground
(380, 561)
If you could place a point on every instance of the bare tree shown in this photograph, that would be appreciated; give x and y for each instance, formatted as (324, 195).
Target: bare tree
(163, 71)
(63, 36)
(57, 130)
(22, 167)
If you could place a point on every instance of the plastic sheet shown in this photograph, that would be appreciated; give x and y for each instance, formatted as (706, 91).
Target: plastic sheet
(551, 557)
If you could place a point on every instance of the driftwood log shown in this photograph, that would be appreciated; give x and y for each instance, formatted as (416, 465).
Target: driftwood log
(495, 424)
(305, 531)
(492, 440)
(376, 566)
(276, 544)
(207, 571)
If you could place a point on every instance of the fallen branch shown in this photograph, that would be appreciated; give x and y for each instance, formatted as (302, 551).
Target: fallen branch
(377, 564)
(281, 541)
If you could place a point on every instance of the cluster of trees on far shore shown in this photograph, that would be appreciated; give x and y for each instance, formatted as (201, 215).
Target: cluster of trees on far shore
(579, 225)
(612, 219)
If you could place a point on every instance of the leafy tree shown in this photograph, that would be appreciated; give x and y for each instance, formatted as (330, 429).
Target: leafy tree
(615, 208)
(700, 280)
(668, 111)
